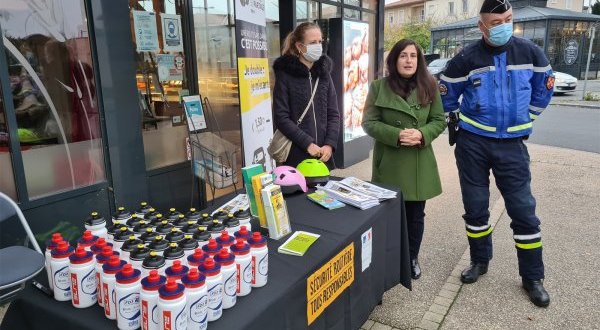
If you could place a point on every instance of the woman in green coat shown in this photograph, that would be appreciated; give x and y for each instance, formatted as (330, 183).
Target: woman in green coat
(404, 114)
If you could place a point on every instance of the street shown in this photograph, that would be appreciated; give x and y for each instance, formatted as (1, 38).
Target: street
(568, 127)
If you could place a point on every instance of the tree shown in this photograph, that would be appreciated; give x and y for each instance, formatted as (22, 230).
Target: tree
(596, 8)
(417, 31)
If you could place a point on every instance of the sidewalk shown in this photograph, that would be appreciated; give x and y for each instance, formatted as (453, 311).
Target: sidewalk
(565, 184)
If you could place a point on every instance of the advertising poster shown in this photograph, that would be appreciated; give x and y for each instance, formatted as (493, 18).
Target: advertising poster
(170, 67)
(146, 35)
(194, 113)
(254, 86)
(171, 28)
(356, 77)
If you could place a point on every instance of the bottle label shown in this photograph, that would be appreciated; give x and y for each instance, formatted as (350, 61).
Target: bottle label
(62, 280)
(199, 310)
(237, 278)
(129, 306)
(145, 315)
(74, 289)
(253, 263)
(106, 300)
(88, 283)
(167, 320)
(215, 299)
(180, 322)
(230, 286)
(99, 288)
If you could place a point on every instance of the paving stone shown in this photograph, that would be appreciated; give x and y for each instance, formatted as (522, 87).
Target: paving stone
(451, 287)
(380, 326)
(434, 317)
(443, 301)
(368, 325)
(428, 325)
(453, 280)
(447, 294)
(439, 309)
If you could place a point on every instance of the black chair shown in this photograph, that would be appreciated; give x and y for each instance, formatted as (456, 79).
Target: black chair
(17, 263)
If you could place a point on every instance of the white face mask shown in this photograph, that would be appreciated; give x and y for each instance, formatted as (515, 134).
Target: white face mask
(313, 52)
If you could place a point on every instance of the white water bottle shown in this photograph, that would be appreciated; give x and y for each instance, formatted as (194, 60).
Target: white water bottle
(149, 300)
(214, 288)
(260, 259)
(51, 245)
(109, 270)
(59, 265)
(243, 264)
(101, 259)
(82, 272)
(228, 274)
(197, 300)
(127, 292)
(172, 306)
(97, 225)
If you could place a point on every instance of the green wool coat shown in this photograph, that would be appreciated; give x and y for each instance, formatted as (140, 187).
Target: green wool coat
(413, 169)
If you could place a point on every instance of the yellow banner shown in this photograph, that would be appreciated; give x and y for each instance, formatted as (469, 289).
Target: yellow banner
(254, 82)
(328, 282)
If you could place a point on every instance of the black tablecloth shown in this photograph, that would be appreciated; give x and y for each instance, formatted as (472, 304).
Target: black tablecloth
(281, 304)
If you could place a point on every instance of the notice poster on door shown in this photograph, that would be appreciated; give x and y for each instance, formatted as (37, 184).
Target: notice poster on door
(171, 31)
(146, 35)
(254, 86)
(356, 77)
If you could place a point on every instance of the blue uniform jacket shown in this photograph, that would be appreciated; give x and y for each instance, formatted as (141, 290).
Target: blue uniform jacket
(503, 88)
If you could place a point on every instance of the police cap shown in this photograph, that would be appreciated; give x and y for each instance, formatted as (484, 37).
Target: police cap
(495, 7)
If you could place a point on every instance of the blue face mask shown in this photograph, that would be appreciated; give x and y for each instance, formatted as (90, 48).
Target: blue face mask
(500, 34)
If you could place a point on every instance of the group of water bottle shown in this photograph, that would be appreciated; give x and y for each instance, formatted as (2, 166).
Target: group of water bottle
(176, 272)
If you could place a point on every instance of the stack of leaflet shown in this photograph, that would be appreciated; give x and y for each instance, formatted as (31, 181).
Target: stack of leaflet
(348, 195)
(368, 188)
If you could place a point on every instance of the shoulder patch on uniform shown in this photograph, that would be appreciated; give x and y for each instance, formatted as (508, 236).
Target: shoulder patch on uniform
(550, 82)
(443, 89)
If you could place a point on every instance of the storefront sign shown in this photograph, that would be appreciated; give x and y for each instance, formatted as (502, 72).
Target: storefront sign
(328, 282)
(146, 35)
(571, 52)
(253, 77)
(171, 31)
(170, 67)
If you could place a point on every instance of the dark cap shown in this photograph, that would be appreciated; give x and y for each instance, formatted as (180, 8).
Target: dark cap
(495, 7)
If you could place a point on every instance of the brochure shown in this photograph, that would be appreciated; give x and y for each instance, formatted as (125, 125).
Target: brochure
(247, 173)
(320, 197)
(298, 243)
(239, 202)
(278, 220)
(348, 195)
(258, 183)
(368, 188)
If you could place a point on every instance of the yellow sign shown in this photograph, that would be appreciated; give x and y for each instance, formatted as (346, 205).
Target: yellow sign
(254, 82)
(328, 282)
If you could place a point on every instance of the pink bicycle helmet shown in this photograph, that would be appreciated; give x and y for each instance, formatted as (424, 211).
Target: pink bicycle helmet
(289, 179)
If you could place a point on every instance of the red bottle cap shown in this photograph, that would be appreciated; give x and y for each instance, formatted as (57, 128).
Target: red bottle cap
(212, 244)
(224, 235)
(114, 261)
(177, 266)
(223, 254)
(256, 236)
(194, 274)
(153, 277)
(171, 284)
(244, 231)
(239, 243)
(107, 251)
(62, 246)
(198, 253)
(127, 270)
(87, 235)
(209, 263)
(56, 238)
(100, 243)
(80, 252)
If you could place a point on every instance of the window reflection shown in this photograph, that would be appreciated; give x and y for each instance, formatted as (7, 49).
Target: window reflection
(54, 95)
(7, 178)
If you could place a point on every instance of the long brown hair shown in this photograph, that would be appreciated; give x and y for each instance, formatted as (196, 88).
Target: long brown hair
(289, 44)
(422, 80)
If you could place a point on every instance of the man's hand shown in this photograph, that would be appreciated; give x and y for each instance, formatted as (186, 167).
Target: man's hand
(314, 150)
(410, 137)
(326, 152)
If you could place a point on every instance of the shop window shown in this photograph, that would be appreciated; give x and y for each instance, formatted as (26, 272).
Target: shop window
(355, 3)
(373, 69)
(161, 80)
(330, 11)
(54, 95)
(465, 6)
(306, 11)
(451, 8)
(351, 13)
(7, 177)
(369, 4)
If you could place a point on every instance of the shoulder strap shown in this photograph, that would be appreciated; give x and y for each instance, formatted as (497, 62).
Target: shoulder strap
(312, 96)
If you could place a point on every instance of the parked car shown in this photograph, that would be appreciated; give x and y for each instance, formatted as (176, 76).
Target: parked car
(438, 66)
(564, 83)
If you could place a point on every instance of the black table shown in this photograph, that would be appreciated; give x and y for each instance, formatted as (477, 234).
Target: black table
(282, 303)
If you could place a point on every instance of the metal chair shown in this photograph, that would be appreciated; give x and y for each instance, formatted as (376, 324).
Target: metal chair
(17, 263)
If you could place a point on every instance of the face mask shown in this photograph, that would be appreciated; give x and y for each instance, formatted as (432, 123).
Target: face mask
(313, 52)
(500, 34)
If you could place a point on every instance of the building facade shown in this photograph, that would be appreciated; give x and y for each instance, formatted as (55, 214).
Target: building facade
(563, 35)
(90, 112)
(404, 11)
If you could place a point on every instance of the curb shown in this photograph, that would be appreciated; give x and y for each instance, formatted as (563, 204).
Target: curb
(434, 317)
(587, 106)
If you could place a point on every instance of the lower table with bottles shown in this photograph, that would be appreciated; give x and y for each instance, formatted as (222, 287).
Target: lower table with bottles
(283, 302)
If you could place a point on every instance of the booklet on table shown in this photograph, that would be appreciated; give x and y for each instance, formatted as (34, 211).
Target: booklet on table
(322, 198)
(298, 243)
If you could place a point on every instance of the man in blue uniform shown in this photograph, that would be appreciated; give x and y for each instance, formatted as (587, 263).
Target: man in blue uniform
(505, 83)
